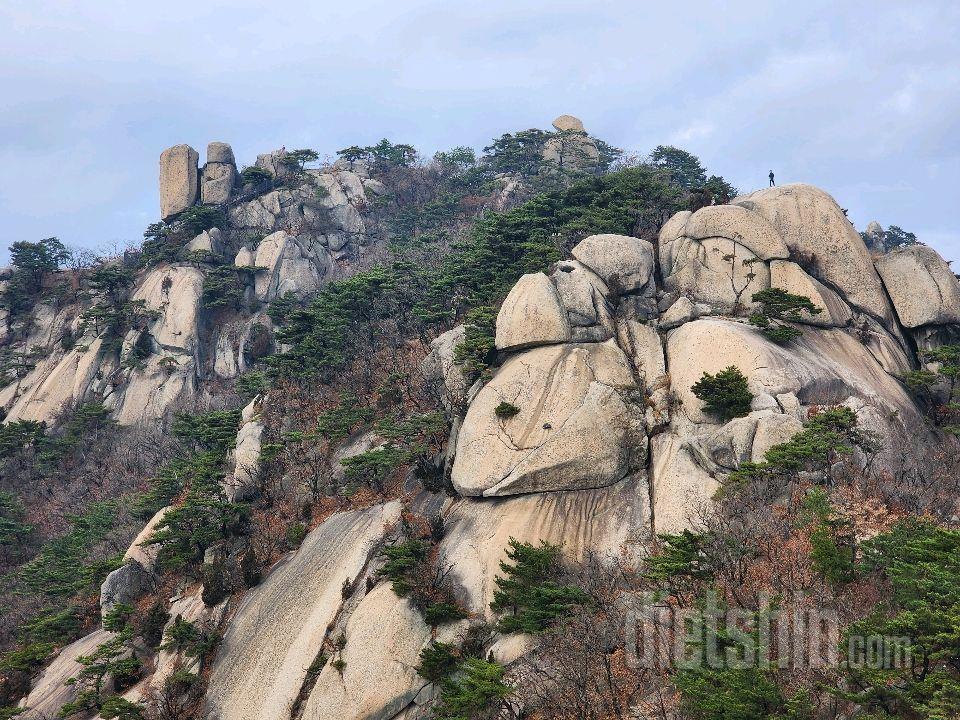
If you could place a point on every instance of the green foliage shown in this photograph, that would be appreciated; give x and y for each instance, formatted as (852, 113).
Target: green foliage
(827, 435)
(438, 660)
(296, 160)
(518, 153)
(725, 394)
(477, 351)
(223, 288)
(921, 613)
(475, 691)
(411, 567)
(777, 307)
(295, 534)
(832, 544)
(118, 708)
(505, 410)
(402, 559)
(940, 383)
(343, 319)
(680, 564)
(683, 168)
(254, 175)
(729, 694)
(529, 589)
(19, 434)
(151, 624)
(251, 384)
(113, 661)
(13, 529)
(382, 156)
(204, 516)
(893, 237)
(31, 261)
(197, 218)
(339, 422)
(721, 192)
(63, 568)
(26, 658)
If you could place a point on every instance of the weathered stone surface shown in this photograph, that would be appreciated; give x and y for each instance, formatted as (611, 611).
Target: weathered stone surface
(583, 295)
(568, 123)
(715, 271)
(127, 583)
(773, 430)
(178, 179)
(680, 487)
(922, 286)
(573, 429)
(384, 635)
(288, 265)
(822, 239)
(571, 152)
(822, 367)
(624, 263)
(158, 387)
(532, 315)
(146, 555)
(50, 692)
(737, 223)
(243, 483)
(680, 312)
(643, 346)
(174, 291)
(603, 521)
(220, 152)
(789, 276)
(440, 367)
(278, 629)
(217, 183)
(54, 386)
(211, 241)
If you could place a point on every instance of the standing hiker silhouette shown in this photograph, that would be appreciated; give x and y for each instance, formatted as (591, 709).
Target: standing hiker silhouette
(772, 183)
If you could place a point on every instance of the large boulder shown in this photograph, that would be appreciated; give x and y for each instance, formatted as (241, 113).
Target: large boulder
(279, 627)
(384, 636)
(823, 241)
(789, 276)
(568, 123)
(717, 271)
(441, 368)
(50, 690)
(737, 223)
(822, 367)
(178, 180)
(174, 293)
(572, 427)
(624, 263)
(243, 483)
(532, 314)
(585, 298)
(285, 264)
(921, 285)
(127, 583)
(602, 522)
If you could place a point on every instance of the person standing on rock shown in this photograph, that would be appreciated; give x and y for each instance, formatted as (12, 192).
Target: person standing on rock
(772, 183)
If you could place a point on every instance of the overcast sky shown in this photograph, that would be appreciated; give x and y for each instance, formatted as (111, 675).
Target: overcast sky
(862, 99)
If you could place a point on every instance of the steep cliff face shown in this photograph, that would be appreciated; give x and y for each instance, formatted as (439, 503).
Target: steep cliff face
(586, 433)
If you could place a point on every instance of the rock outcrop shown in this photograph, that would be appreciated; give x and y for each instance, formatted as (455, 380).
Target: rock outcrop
(219, 174)
(922, 287)
(178, 179)
(279, 628)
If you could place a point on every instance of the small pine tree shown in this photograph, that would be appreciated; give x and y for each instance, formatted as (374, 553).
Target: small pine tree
(778, 307)
(529, 589)
(725, 394)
